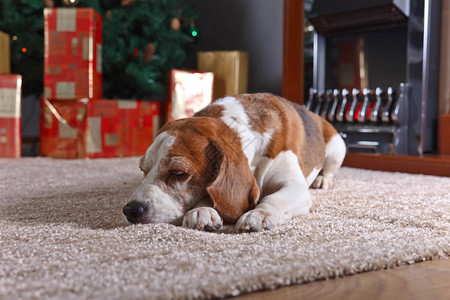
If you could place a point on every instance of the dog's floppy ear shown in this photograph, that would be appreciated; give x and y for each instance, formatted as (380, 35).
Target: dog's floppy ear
(233, 189)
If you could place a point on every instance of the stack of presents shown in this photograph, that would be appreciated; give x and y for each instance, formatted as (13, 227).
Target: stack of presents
(75, 120)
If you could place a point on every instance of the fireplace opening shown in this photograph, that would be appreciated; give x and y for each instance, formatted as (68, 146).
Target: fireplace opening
(376, 68)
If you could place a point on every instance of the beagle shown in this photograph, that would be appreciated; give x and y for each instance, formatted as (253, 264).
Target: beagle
(247, 159)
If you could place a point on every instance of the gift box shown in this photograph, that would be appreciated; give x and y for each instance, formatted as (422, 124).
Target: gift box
(72, 53)
(100, 128)
(230, 70)
(10, 117)
(190, 91)
(5, 54)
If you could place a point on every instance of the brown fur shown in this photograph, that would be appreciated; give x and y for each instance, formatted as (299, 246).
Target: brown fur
(234, 190)
(328, 131)
(212, 111)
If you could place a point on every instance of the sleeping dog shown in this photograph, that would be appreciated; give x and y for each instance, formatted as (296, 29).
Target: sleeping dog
(247, 159)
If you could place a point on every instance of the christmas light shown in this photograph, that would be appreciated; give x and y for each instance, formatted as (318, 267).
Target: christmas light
(14, 38)
(24, 50)
(193, 30)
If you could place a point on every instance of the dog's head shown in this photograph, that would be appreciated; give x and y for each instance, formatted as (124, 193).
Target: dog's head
(192, 160)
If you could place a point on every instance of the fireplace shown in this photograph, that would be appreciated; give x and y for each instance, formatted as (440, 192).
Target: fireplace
(376, 68)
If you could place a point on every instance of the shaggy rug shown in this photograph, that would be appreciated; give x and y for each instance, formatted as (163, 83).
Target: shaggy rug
(63, 235)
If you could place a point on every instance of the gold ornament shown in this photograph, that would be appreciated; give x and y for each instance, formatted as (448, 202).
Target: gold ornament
(49, 3)
(126, 2)
(70, 3)
(175, 24)
(149, 51)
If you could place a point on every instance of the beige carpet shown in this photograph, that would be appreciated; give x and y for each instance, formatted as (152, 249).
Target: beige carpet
(63, 236)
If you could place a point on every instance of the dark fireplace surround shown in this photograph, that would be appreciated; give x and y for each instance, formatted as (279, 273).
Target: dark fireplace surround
(376, 68)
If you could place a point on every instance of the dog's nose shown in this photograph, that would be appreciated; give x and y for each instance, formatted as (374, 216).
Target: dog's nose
(133, 211)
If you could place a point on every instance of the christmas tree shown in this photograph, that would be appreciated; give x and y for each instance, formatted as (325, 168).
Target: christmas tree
(24, 22)
(142, 41)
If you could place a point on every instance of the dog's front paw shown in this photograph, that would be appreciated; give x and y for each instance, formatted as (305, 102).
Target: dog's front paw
(323, 182)
(202, 218)
(257, 220)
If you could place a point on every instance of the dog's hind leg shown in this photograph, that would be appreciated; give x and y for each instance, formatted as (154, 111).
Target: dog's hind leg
(334, 156)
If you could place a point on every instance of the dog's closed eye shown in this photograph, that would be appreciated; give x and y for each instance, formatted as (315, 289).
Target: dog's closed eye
(145, 173)
(179, 175)
(144, 166)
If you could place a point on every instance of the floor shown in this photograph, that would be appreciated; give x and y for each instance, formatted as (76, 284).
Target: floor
(426, 280)
(438, 165)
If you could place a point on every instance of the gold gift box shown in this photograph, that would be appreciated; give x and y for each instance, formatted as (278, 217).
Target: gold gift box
(230, 70)
(5, 55)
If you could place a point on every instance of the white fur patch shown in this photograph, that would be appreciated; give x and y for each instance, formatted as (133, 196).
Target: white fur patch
(312, 176)
(334, 155)
(284, 193)
(268, 169)
(234, 115)
(202, 217)
(157, 150)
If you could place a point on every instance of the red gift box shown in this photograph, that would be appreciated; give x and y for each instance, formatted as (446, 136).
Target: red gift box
(72, 53)
(10, 116)
(100, 128)
(190, 91)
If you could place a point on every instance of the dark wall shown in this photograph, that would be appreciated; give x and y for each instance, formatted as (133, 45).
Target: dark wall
(255, 26)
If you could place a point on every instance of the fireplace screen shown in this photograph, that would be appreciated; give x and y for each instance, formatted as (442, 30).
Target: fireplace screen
(370, 59)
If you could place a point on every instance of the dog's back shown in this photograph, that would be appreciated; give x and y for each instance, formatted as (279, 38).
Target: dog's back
(270, 124)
